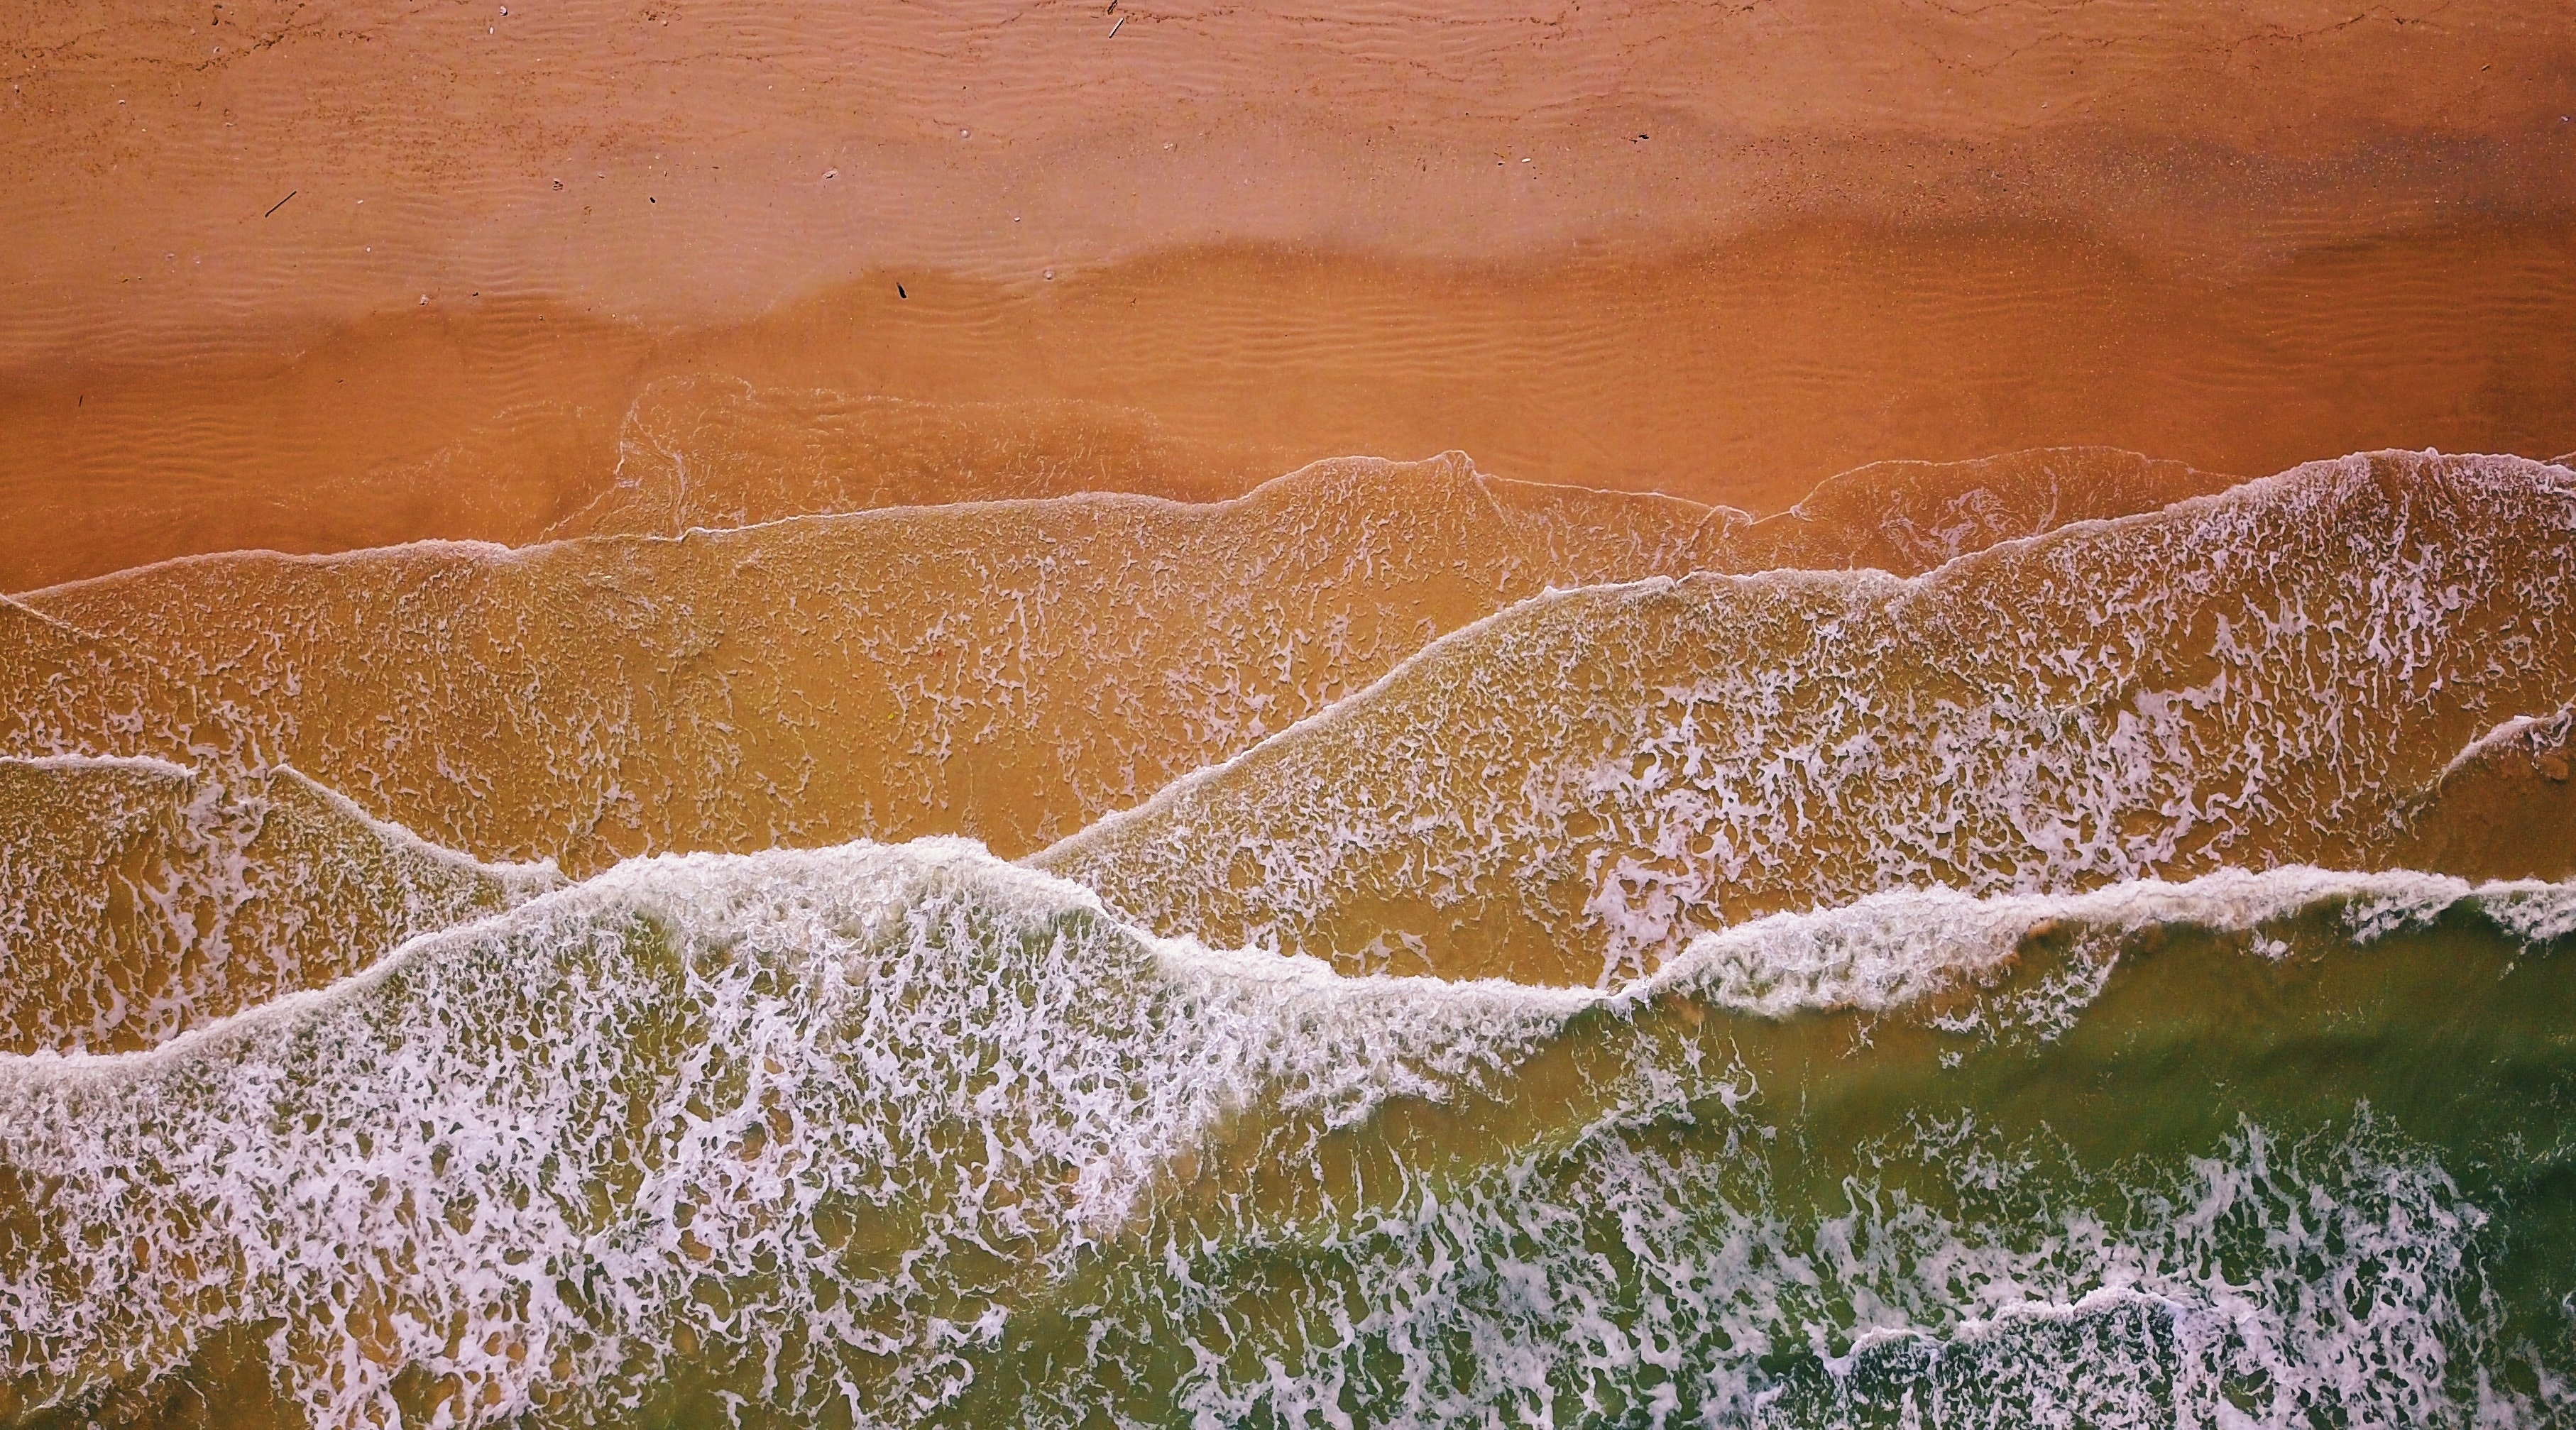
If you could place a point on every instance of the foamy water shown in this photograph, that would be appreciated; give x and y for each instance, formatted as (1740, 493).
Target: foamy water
(903, 1129)
(139, 898)
(1175, 715)
(1010, 670)
(1572, 787)
(2048, 941)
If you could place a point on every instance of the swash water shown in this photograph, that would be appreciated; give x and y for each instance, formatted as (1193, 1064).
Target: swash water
(2114, 977)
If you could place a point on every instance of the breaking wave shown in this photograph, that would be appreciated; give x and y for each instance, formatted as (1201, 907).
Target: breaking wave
(2043, 941)
(1573, 788)
(904, 1134)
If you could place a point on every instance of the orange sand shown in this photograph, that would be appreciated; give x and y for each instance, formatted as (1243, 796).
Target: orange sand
(1720, 252)
(1742, 372)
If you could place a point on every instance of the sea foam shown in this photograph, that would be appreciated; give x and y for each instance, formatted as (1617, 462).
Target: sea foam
(823, 1127)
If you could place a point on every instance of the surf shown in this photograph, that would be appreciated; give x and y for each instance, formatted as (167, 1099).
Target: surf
(2074, 975)
(906, 1134)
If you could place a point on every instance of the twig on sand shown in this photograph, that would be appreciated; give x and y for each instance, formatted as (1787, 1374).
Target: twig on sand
(281, 203)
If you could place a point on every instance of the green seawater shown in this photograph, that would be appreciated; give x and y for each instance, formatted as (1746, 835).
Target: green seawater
(905, 1137)
(2329, 1186)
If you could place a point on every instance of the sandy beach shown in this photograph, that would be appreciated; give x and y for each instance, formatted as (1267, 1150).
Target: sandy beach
(1805, 714)
(311, 282)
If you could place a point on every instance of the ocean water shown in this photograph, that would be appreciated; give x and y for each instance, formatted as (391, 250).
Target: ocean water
(1398, 948)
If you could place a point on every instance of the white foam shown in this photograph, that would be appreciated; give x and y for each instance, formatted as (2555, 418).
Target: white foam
(2267, 1285)
(142, 764)
(2261, 676)
(926, 1032)
(526, 878)
(1886, 950)
(867, 1100)
(886, 672)
(139, 897)
(2529, 731)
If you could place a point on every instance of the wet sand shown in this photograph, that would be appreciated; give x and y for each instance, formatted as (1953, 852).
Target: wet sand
(1741, 372)
(716, 159)
(314, 282)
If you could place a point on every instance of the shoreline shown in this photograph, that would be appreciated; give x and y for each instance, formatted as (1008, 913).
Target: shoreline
(1739, 373)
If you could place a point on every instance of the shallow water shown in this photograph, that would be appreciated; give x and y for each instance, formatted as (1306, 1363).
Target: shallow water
(1162, 713)
(1568, 790)
(904, 1135)
(1917, 1093)
(1696, 999)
